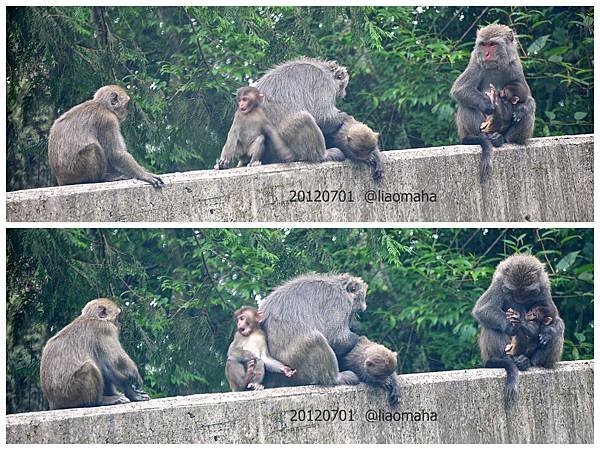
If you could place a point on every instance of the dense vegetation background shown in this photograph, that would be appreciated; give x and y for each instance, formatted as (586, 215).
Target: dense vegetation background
(182, 65)
(179, 287)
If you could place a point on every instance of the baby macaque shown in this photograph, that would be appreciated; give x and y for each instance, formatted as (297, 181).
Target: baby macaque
(526, 341)
(248, 133)
(248, 355)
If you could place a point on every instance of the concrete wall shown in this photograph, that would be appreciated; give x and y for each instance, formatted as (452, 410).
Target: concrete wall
(551, 179)
(555, 406)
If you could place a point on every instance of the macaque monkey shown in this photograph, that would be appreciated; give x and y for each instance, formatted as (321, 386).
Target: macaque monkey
(250, 131)
(494, 59)
(85, 144)
(374, 364)
(84, 363)
(248, 355)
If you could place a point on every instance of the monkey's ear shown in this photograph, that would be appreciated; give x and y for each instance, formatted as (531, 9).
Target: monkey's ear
(547, 320)
(376, 135)
(510, 35)
(515, 99)
(261, 98)
(114, 98)
(102, 313)
(259, 316)
(395, 354)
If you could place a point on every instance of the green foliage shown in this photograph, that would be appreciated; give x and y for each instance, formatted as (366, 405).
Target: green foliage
(182, 65)
(179, 287)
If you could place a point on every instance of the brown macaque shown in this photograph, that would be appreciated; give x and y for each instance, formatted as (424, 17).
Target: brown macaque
(374, 364)
(84, 363)
(250, 132)
(357, 140)
(85, 144)
(494, 60)
(520, 283)
(248, 355)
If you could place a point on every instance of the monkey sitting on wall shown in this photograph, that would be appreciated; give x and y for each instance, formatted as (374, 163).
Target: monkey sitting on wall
(374, 364)
(85, 144)
(249, 133)
(84, 363)
(520, 283)
(248, 355)
(356, 140)
(494, 59)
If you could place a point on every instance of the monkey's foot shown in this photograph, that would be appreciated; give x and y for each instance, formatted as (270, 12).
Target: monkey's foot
(255, 386)
(391, 385)
(115, 400)
(497, 139)
(522, 362)
(138, 396)
(347, 377)
(254, 164)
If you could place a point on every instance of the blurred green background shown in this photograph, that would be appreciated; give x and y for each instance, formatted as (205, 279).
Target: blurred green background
(178, 289)
(182, 66)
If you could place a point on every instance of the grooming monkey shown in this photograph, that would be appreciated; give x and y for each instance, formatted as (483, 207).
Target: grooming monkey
(84, 363)
(250, 132)
(520, 283)
(494, 60)
(85, 144)
(248, 355)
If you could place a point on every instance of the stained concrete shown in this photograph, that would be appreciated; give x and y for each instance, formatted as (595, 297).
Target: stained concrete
(554, 406)
(550, 179)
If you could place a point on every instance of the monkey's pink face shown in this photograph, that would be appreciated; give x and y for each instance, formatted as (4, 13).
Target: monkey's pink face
(247, 103)
(246, 323)
(489, 50)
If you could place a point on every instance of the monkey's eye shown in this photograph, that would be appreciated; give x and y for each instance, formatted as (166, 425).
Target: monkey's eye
(369, 363)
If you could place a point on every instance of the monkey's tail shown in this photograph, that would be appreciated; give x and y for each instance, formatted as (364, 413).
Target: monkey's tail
(487, 150)
(511, 388)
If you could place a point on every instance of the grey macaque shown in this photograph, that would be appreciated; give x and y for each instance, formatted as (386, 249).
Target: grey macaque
(84, 363)
(494, 60)
(85, 144)
(248, 355)
(300, 102)
(307, 322)
(520, 283)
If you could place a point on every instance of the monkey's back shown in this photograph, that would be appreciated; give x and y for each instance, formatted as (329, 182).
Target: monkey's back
(66, 353)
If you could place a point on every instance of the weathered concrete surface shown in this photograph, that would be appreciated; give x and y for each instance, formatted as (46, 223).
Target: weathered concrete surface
(555, 406)
(551, 179)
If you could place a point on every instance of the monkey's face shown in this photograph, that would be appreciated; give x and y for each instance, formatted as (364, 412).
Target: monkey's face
(380, 363)
(246, 322)
(490, 52)
(522, 293)
(357, 290)
(249, 98)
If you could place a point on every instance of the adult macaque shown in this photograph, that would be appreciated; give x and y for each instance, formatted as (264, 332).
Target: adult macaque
(307, 322)
(248, 355)
(494, 60)
(520, 283)
(300, 102)
(84, 363)
(374, 364)
(85, 144)
(250, 132)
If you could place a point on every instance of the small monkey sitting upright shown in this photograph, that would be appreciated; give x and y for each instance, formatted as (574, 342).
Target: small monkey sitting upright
(247, 136)
(248, 355)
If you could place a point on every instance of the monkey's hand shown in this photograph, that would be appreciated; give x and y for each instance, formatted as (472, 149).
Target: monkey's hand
(155, 181)
(391, 385)
(250, 366)
(488, 107)
(513, 316)
(546, 335)
(510, 328)
(137, 395)
(223, 163)
(288, 371)
(518, 115)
